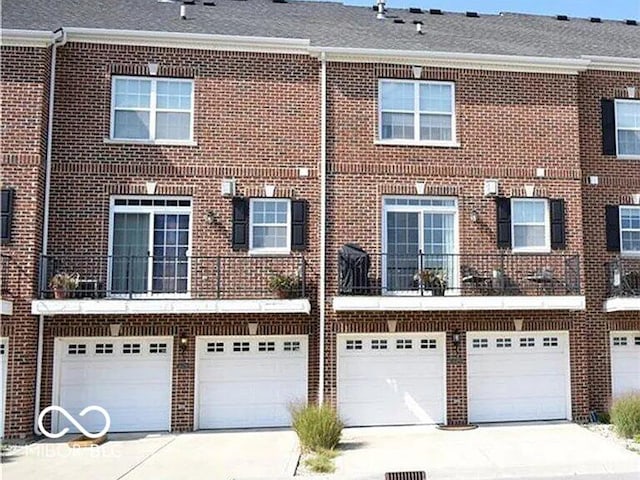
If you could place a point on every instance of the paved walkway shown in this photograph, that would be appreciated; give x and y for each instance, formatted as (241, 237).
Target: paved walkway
(190, 456)
(489, 452)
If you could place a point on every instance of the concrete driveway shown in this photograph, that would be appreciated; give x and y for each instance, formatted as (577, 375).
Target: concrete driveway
(489, 452)
(190, 456)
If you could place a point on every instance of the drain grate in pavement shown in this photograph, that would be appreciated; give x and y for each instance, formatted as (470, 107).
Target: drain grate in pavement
(405, 476)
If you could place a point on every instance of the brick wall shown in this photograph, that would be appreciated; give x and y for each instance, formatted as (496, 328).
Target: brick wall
(24, 82)
(508, 124)
(618, 180)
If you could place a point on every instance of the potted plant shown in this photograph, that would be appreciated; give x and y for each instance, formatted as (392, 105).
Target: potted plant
(284, 286)
(63, 283)
(432, 279)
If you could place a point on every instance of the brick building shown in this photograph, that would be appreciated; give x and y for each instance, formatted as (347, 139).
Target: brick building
(266, 203)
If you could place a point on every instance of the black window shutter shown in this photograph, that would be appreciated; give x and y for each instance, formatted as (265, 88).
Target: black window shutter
(558, 235)
(612, 216)
(503, 209)
(240, 231)
(608, 127)
(6, 214)
(298, 225)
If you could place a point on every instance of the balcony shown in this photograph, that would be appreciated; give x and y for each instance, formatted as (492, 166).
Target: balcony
(432, 282)
(92, 284)
(6, 305)
(624, 285)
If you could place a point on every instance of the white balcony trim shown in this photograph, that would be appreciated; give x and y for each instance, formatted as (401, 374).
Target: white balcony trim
(463, 303)
(170, 306)
(6, 307)
(622, 304)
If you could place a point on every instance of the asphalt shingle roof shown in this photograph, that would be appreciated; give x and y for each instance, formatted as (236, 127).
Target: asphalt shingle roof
(331, 24)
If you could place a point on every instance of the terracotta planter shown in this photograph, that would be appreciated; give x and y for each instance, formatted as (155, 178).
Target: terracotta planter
(282, 294)
(59, 293)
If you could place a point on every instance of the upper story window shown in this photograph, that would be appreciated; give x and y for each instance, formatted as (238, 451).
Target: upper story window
(152, 109)
(421, 112)
(628, 127)
(630, 229)
(530, 225)
(269, 231)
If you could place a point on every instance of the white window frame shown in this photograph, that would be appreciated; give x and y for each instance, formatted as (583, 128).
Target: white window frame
(269, 250)
(416, 115)
(153, 111)
(547, 227)
(627, 156)
(151, 210)
(627, 253)
(453, 281)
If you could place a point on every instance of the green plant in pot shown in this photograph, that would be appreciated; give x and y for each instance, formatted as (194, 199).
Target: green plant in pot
(284, 286)
(63, 283)
(432, 279)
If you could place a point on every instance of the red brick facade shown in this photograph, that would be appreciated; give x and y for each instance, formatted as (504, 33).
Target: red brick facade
(257, 119)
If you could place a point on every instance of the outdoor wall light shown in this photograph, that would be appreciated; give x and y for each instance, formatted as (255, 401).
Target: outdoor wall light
(475, 216)
(456, 338)
(211, 217)
(184, 343)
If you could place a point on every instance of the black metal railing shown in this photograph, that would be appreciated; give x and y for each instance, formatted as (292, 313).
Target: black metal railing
(624, 277)
(459, 274)
(5, 272)
(221, 277)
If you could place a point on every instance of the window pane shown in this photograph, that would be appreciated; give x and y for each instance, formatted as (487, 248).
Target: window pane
(629, 142)
(529, 212)
(435, 98)
(528, 236)
(631, 241)
(173, 126)
(129, 124)
(630, 218)
(397, 125)
(435, 127)
(270, 237)
(174, 95)
(397, 96)
(628, 115)
(134, 93)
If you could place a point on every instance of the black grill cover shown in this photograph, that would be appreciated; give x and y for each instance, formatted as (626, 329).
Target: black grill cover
(354, 270)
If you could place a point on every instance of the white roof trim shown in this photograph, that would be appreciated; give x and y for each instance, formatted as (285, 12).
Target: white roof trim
(25, 38)
(188, 40)
(477, 61)
(619, 64)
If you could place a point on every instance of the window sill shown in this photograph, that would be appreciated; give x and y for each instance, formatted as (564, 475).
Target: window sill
(177, 143)
(269, 253)
(631, 254)
(628, 157)
(525, 251)
(415, 143)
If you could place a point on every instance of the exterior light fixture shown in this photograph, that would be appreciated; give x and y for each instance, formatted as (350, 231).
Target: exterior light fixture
(184, 343)
(211, 217)
(455, 338)
(475, 216)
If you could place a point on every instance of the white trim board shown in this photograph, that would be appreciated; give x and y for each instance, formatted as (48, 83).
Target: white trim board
(622, 304)
(178, 305)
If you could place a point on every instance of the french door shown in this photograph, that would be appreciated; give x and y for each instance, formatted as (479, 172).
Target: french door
(149, 251)
(419, 235)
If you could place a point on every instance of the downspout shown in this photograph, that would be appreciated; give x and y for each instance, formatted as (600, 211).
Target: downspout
(323, 218)
(60, 38)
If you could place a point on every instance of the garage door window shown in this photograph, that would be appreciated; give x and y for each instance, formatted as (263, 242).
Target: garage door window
(240, 346)
(291, 346)
(428, 343)
(378, 344)
(104, 348)
(77, 349)
(215, 347)
(527, 342)
(550, 342)
(619, 341)
(503, 342)
(149, 247)
(157, 348)
(480, 343)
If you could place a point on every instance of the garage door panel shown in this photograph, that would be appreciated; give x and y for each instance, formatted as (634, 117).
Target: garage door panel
(253, 387)
(517, 377)
(625, 362)
(135, 389)
(390, 379)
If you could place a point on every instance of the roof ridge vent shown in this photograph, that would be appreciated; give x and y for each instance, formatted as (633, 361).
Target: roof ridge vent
(595, 20)
(435, 11)
(631, 22)
(472, 14)
(562, 18)
(415, 10)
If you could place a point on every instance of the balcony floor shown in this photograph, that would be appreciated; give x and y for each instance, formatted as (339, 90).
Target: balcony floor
(457, 303)
(622, 304)
(170, 306)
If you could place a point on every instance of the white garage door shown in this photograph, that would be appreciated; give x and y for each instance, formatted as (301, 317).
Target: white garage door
(391, 379)
(128, 376)
(625, 362)
(249, 381)
(4, 354)
(516, 376)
